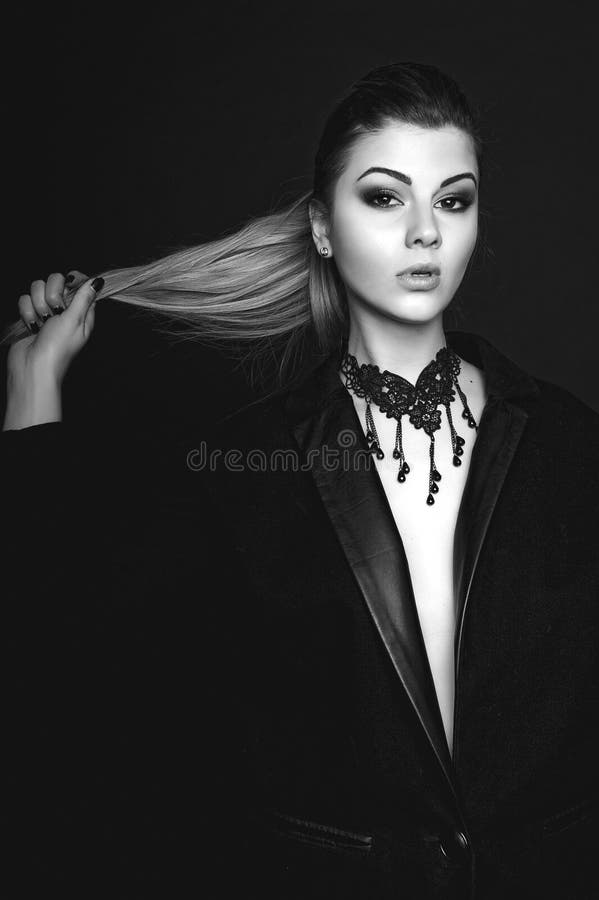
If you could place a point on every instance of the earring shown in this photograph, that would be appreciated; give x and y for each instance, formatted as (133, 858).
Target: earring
(324, 251)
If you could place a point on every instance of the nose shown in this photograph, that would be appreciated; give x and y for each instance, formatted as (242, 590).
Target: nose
(422, 228)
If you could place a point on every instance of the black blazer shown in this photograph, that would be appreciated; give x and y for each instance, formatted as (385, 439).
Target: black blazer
(218, 674)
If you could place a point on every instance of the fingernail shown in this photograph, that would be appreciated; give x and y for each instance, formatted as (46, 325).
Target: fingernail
(68, 279)
(45, 317)
(98, 284)
(34, 327)
(57, 310)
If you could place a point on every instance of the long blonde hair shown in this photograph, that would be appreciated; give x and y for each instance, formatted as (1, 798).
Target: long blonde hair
(264, 289)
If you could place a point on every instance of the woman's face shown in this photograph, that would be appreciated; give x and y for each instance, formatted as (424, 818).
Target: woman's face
(422, 210)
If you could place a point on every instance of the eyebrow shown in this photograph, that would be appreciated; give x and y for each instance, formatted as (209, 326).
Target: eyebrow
(407, 180)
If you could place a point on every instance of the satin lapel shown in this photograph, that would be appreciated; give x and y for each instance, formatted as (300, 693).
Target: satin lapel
(499, 433)
(359, 511)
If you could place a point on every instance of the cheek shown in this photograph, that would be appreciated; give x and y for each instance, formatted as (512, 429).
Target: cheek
(361, 249)
(473, 234)
(463, 244)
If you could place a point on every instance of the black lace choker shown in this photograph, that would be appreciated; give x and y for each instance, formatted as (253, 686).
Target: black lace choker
(395, 396)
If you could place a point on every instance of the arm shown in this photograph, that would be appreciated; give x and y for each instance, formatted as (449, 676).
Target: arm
(110, 602)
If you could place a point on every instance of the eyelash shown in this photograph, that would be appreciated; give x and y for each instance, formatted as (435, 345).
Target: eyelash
(370, 196)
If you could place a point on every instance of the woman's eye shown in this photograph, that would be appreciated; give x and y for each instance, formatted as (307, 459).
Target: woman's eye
(381, 198)
(464, 202)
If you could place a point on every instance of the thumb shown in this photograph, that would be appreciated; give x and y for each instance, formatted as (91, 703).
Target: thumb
(82, 301)
(90, 319)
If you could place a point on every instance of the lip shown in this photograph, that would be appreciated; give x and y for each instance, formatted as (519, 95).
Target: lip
(421, 267)
(419, 282)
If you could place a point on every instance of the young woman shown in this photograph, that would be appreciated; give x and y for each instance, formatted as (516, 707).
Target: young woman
(343, 641)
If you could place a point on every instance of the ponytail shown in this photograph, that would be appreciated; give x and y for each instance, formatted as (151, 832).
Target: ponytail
(263, 291)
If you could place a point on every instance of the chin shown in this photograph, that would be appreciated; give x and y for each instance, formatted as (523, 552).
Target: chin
(419, 306)
(407, 307)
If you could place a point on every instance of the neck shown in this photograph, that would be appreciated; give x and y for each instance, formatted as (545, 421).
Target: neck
(402, 349)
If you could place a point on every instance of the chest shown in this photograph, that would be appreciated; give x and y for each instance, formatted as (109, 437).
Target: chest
(427, 533)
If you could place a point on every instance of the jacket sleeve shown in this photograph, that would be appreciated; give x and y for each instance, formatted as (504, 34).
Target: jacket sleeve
(121, 708)
(88, 510)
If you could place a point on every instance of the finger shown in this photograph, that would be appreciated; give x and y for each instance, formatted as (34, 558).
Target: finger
(82, 300)
(54, 288)
(74, 277)
(27, 313)
(38, 299)
(73, 280)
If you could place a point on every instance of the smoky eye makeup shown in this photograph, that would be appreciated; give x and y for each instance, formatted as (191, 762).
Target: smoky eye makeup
(457, 201)
(380, 197)
(371, 195)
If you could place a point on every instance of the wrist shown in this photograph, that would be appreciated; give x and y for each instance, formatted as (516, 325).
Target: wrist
(34, 403)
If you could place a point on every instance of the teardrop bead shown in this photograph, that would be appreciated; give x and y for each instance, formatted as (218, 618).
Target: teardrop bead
(369, 435)
(459, 451)
(465, 414)
(396, 454)
(434, 488)
(380, 454)
(430, 500)
(471, 423)
(406, 468)
(460, 440)
(457, 461)
(436, 475)
(401, 477)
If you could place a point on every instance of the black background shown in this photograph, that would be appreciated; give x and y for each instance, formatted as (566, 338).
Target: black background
(132, 130)
(138, 129)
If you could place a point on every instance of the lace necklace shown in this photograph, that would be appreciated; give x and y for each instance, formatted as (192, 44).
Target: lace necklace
(396, 396)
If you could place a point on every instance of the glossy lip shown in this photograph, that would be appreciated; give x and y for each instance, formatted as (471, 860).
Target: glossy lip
(421, 267)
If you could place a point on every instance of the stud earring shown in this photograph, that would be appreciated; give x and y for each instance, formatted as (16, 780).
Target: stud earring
(324, 251)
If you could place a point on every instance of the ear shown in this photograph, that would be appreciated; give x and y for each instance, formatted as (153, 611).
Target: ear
(320, 224)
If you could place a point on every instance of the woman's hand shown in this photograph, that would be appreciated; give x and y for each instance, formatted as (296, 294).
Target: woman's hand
(60, 326)
(61, 323)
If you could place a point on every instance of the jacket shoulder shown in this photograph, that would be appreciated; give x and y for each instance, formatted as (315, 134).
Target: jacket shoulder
(566, 409)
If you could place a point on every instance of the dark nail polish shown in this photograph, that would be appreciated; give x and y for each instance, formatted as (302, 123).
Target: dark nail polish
(34, 327)
(68, 279)
(57, 310)
(98, 284)
(45, 317)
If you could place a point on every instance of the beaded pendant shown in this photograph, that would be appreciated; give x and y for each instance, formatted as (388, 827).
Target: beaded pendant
(396, 396)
